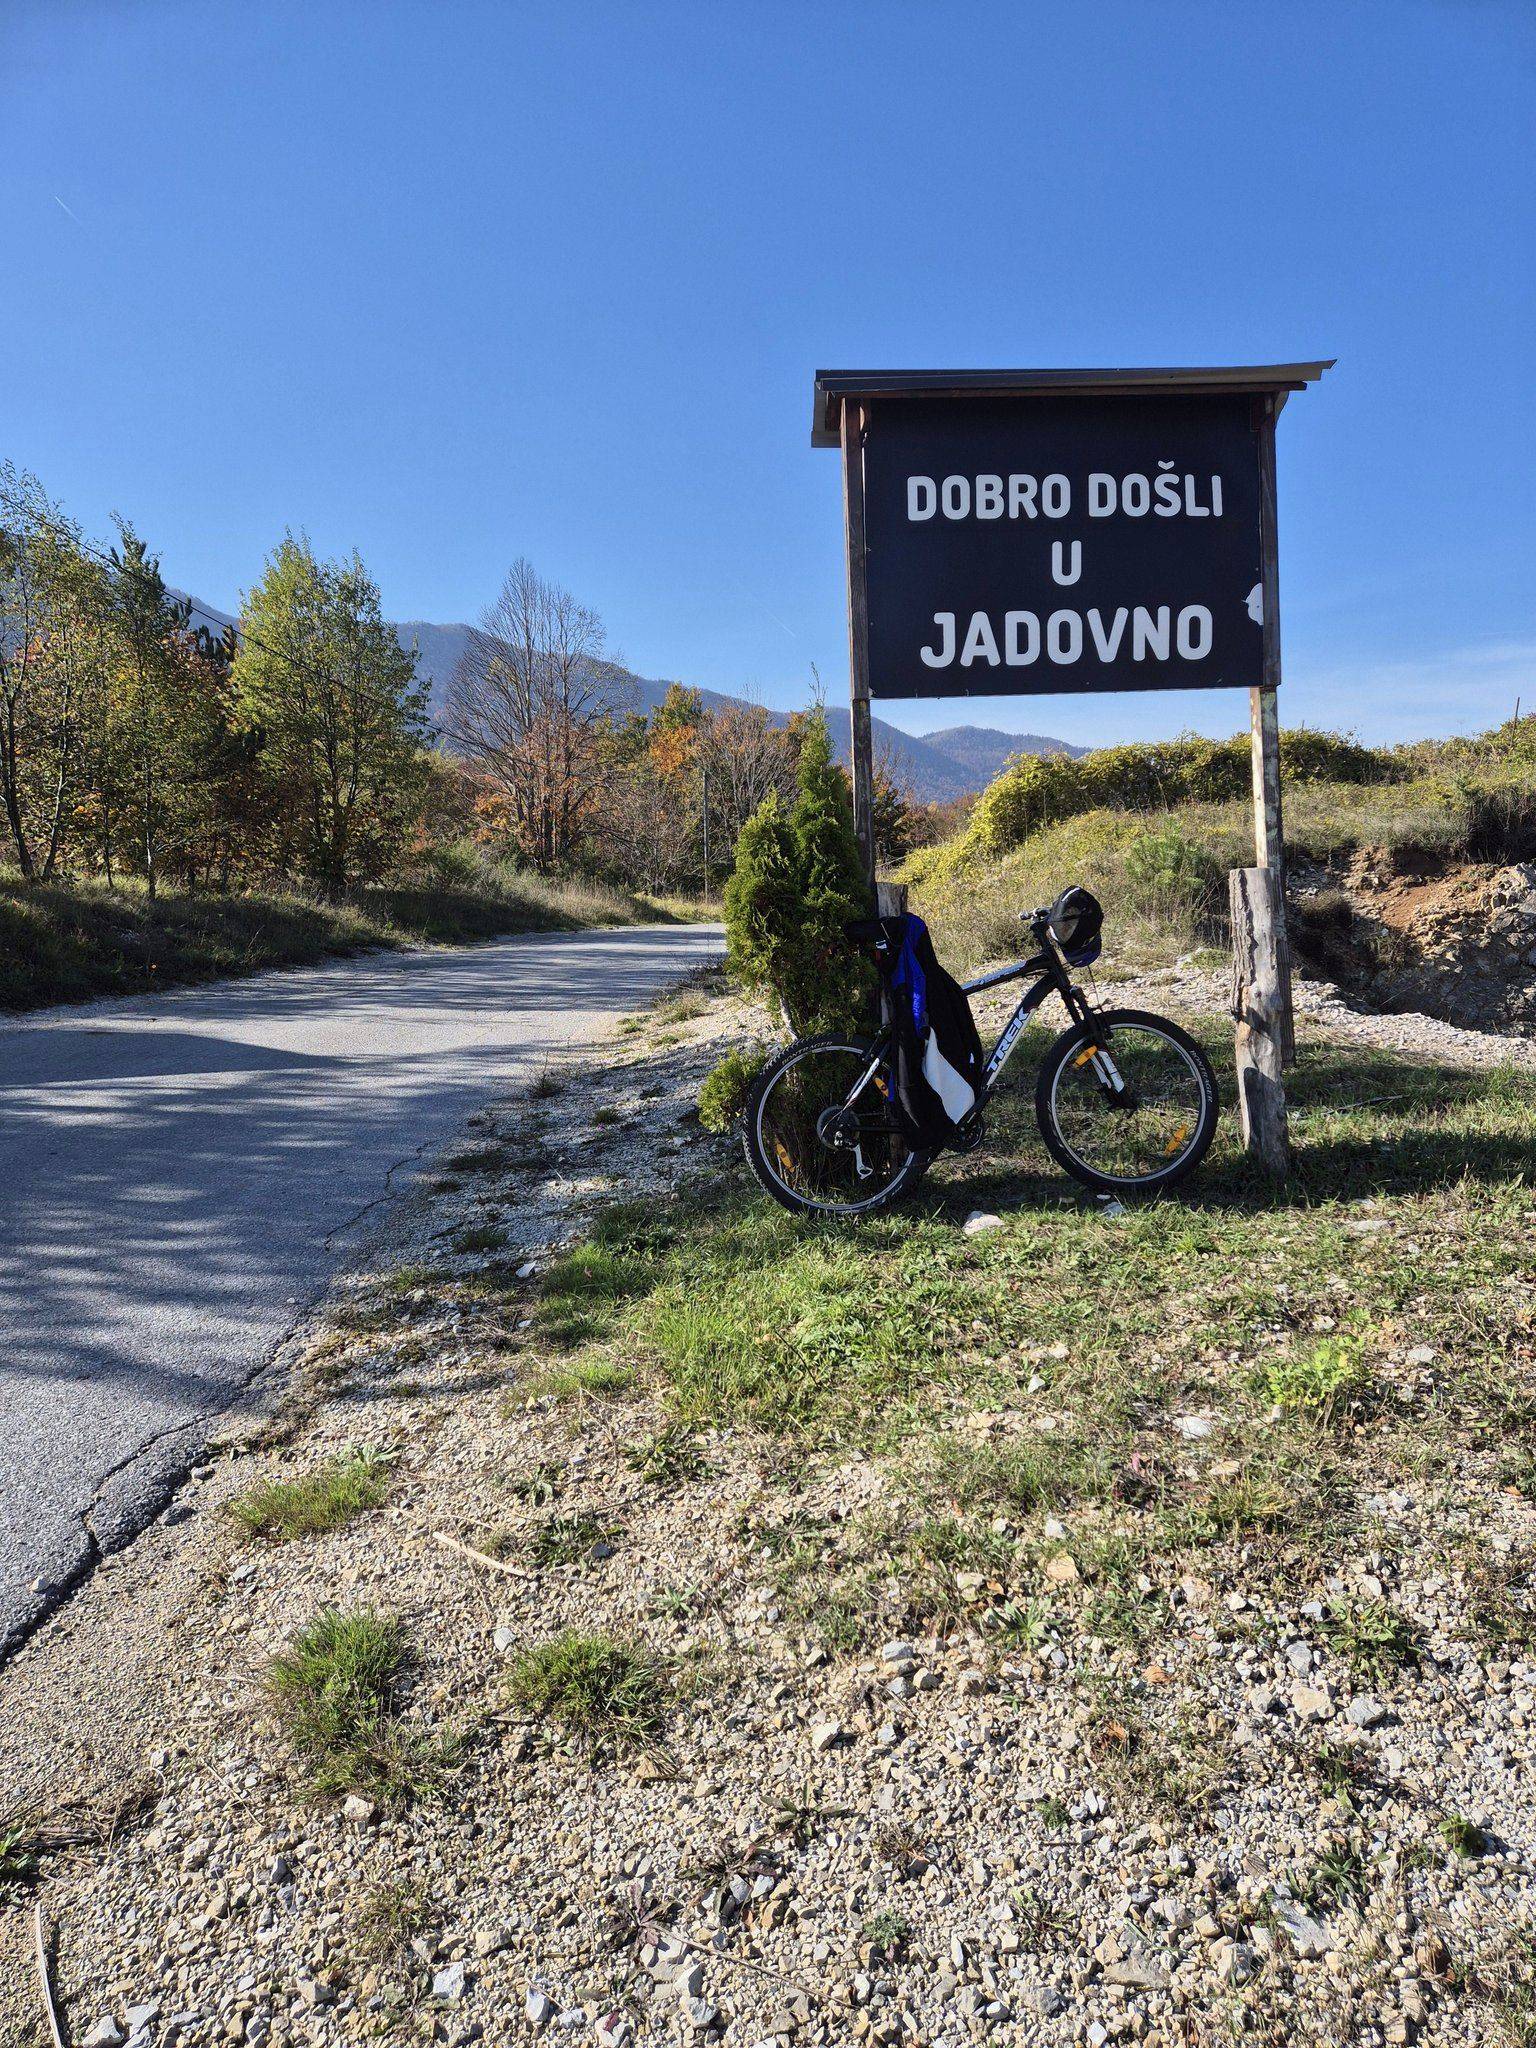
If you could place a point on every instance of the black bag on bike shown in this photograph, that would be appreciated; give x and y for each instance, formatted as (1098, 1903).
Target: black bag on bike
(939, 1061)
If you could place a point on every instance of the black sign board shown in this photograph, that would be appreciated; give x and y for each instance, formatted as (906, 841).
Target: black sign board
(1063, 543)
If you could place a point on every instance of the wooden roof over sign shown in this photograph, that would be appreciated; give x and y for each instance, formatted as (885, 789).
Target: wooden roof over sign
(834, 386)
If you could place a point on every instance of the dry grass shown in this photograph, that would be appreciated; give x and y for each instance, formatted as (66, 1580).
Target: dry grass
(70, 941)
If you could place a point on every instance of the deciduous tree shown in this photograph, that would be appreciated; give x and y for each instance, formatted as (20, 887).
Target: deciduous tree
(529, 705)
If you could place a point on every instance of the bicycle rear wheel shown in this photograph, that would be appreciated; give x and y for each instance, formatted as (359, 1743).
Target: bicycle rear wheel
(821, 1134)
(1127, 1103)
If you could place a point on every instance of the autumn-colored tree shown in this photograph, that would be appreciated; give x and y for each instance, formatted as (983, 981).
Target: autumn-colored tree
(52, 609)
(530, 706)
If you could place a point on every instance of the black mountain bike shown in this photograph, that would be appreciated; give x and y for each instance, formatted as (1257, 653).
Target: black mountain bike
(1125, 1100)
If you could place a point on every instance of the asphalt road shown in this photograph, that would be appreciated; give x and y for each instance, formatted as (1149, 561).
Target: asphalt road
(180, 1174)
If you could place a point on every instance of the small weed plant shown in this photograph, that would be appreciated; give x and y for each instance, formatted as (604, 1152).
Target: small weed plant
(327, 1498)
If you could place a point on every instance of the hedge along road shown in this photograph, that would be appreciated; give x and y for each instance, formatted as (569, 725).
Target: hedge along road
(178, 1174)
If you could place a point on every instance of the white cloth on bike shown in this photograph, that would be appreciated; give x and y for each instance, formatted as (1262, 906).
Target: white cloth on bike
(951, 1086)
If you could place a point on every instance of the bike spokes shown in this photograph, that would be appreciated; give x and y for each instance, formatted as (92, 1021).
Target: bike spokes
(826, 1130)
(1129, 1108)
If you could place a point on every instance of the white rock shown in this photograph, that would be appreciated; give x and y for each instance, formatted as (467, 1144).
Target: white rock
(1309, 1937)
(981, 1219)
(105, 2034)
(538, 2009)
(1364, 1711)
(1192, 1425)
(826, 1735)
(449, 1983)
(358, 1810)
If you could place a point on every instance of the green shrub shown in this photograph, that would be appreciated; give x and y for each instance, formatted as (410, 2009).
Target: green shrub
(726, 1087)
(798, 880)
(1171, 870)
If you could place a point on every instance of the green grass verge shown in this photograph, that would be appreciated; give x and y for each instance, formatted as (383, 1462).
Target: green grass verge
(1161, 873)
(1044, 1368)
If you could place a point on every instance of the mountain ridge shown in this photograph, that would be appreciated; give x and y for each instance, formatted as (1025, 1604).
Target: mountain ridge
(935, 767)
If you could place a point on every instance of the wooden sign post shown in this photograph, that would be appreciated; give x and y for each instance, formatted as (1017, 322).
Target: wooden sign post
(1026, 532)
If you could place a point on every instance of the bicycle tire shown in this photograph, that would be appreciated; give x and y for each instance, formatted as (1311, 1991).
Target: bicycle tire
(907, 1178)
(1071, 1042)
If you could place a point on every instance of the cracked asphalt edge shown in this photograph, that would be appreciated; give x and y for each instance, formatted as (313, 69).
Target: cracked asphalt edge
(142, 1484)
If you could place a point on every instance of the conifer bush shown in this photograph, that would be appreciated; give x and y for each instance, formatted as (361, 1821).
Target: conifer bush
(798, 880)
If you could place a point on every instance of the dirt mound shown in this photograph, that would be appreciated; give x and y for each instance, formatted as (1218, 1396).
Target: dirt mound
(1401, 929)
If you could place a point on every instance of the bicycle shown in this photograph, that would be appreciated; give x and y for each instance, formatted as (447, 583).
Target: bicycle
(1126, 1100)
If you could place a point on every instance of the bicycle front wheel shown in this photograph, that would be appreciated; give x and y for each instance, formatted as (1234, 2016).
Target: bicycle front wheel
(821, 1132)
(1126, 1102)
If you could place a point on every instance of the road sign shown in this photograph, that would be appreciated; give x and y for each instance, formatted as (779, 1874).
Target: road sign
(1016, 532)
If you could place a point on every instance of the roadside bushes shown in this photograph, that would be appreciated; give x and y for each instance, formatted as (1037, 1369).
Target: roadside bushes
(1043, 789)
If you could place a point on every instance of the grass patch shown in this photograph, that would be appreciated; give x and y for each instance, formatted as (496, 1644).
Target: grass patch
(1321, 1382)
(18, 1854)
(586, 1379)
(1463, 1837)
(886, 1934)
(389, 1918)
(668, 1458)
(481, 1159)
(680, 1010)
(602, 1690)
(336, 1693)
(1339, 1877)
(327, 1498)
(483, 1237)
(65, 942)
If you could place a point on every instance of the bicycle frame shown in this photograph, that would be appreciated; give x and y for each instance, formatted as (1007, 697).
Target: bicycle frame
(1050, 968)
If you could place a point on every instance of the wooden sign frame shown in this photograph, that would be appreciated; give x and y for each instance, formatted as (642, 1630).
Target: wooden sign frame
(844, 400)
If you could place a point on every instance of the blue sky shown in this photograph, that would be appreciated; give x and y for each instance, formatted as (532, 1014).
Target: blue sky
(454, 282)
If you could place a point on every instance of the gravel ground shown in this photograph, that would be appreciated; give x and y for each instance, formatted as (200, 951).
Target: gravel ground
(944, 1840)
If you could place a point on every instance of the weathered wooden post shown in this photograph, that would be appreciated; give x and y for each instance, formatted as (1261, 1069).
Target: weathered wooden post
(1258, 1004)
(1264, 717)
(861, 737)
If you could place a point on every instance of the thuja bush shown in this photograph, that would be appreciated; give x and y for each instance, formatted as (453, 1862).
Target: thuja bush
(798, 880)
